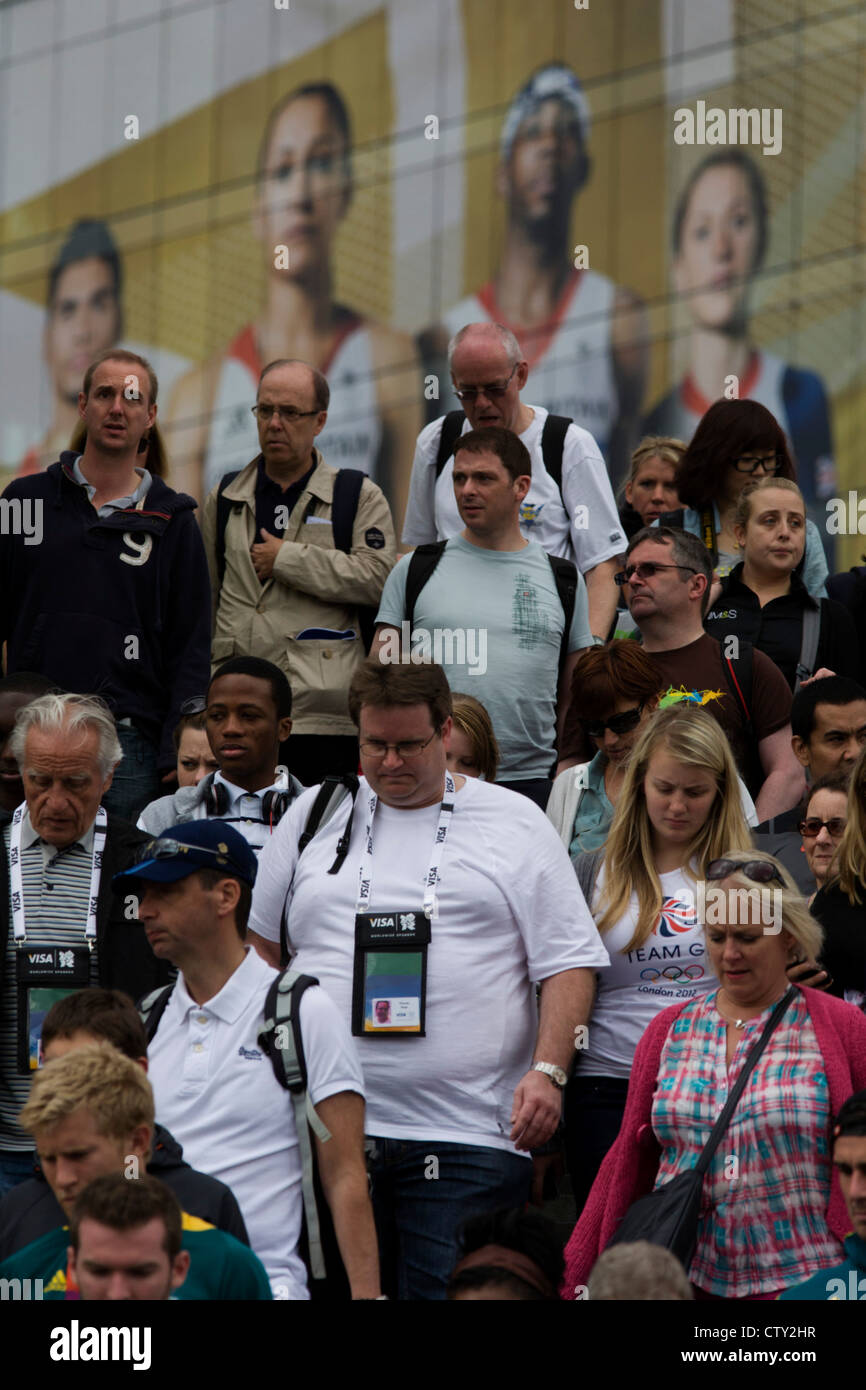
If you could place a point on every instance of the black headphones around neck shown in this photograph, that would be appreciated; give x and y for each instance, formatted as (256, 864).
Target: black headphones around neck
(275, 804)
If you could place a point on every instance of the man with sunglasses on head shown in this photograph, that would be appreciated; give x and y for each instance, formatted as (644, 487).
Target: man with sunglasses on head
(574, 516)
(213, 1078)
(296, 548)
(666, 581)
(248, 715)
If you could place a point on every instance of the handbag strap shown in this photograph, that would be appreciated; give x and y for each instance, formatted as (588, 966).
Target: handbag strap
(724, 1119)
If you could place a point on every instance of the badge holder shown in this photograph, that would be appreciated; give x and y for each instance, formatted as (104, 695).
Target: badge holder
(44, 974)
(389, 989)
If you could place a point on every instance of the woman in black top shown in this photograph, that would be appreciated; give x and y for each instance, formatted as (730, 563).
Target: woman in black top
(840, 906)
(763, 600)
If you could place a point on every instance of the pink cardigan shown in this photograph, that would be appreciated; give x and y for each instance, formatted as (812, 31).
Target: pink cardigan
(629, 1168)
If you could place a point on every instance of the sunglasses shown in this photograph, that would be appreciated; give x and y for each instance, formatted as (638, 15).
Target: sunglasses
(618, 723)
(758, 870)
(813, 826)
(646, 571)
(197, 705)
(172, 849)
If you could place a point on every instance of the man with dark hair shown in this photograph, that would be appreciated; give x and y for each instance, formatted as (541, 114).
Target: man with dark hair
(15, 692)
(247, 717)
(512, 1254)
(450, 898)
(666, 583)
(91, 1113)
(573, 516)
(125, 1240)
(119, 578)
(30, 1210)
(214, 1083)
(292, 563)
(492, 611)
(83, 317)
(846, 1280)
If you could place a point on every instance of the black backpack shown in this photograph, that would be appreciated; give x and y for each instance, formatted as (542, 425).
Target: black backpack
(552, 442)
(425, 558)
(344, 508)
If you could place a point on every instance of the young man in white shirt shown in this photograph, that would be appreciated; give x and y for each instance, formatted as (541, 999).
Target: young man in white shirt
(215, 1084)
(248, 715)
(451, 899)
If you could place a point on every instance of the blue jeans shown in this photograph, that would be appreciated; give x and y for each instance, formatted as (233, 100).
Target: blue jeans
(15, 1168)
(136, 780)
(422, 1191)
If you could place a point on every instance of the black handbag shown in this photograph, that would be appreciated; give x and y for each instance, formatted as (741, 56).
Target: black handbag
(669, 1216)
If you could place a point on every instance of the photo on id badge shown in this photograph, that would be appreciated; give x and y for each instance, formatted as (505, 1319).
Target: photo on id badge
(392, 992)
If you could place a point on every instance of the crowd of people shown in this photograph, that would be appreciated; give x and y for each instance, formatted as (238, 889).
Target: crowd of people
(350, 894)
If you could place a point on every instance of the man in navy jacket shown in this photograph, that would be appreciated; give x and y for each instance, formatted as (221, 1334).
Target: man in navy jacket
(103, 579)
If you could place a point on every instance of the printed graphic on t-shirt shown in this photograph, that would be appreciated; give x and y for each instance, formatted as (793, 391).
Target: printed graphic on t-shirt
(681, 695)
(672, 966)
(528, 623)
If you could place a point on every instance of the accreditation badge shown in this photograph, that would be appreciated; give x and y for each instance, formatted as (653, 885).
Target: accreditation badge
(44, 974)
(389, 988)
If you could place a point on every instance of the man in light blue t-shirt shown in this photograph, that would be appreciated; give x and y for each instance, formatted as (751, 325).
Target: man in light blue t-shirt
(491, 614)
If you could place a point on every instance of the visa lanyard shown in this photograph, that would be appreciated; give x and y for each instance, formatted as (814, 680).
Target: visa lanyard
(365, 872)
(18, 924)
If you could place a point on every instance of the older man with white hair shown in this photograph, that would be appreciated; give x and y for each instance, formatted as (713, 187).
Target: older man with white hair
(66, 928)
(569, 509)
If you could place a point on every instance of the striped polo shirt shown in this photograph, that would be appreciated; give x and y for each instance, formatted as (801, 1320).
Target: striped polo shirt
(56, 887)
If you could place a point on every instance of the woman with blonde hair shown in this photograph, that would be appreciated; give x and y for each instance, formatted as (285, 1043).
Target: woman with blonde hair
(473, 751)
(840, 904)
(777, 1215)
(765, 602)
(651, 486)
(678, 809)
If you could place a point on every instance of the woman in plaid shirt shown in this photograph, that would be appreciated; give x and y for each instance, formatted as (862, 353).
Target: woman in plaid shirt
(772, 1212)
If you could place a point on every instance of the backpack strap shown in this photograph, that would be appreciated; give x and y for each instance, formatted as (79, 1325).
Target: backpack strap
(809, 641)
(152, 1007)
(740, 680)
(565, 579)
(225, 506)
(452, 428)
(552, 445)
(344, 506)
(330, 796)
(282, 1040)
(422, 563)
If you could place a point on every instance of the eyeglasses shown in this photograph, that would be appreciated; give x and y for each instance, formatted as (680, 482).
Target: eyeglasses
(618, 723)
(771, 463)
(492, 392)
(646, 571)
(412, 748)
(812, 826)
(758, 870)
(197, 705)
(287, 413)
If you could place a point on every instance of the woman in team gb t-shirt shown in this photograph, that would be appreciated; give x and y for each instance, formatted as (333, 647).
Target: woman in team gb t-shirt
(679, 808)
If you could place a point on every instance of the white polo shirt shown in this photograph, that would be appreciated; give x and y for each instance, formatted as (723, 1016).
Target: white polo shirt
(216, 1091)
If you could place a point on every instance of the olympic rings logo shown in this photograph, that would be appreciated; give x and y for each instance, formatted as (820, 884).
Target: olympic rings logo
(674, 972)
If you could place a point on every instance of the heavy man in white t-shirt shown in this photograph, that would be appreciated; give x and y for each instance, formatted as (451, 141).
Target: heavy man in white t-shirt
(579, 521)
(211, 1076)
(428, 907)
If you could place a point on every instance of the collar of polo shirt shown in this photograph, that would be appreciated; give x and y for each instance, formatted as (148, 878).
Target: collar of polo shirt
(29, 837)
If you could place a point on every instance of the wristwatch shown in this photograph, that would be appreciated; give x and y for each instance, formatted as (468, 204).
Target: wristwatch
(556, 1074)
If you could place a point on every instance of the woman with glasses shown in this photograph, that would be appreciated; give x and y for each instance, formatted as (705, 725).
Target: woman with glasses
(823, 825)
(765, 602)
(679, 807)
(840, 903)
(617, 691)
(772, 1211)
(736, 442)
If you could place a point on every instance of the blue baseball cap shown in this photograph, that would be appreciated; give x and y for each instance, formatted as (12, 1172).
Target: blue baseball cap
(182, 850)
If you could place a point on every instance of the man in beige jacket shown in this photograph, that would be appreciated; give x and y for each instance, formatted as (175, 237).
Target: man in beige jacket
(282, 588)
